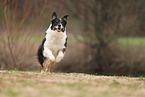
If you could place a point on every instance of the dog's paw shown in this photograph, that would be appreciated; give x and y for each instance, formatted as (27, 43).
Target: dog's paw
(42, 71)
(52, 58)
(59, 57)
(58, 60)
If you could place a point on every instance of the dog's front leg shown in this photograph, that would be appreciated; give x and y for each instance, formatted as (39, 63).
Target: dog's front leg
(59, 56)
(48, 67)
(47, 53)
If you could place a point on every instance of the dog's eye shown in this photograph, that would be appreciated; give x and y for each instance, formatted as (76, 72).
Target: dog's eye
(63, 23)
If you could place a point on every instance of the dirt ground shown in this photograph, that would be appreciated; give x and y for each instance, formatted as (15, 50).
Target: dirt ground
(31, 84)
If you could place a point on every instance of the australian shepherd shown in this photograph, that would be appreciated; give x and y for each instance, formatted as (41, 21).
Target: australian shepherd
(54, 44)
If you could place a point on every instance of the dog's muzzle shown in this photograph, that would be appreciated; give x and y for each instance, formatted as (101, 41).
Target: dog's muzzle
(59, 28)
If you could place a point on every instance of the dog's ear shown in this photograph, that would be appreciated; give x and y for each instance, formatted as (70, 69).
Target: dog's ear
(65, 17)
(54, 15)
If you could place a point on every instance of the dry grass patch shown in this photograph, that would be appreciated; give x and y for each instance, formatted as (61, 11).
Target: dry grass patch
(30, 84)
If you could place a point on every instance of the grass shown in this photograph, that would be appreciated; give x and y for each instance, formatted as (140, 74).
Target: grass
(123, 41)
(133, 41)
(31, 84)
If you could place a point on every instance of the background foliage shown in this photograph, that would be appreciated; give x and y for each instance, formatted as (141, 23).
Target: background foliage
(105, 36)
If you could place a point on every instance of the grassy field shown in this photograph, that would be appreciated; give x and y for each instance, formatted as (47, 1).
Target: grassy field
(31, 84)
(133, 41)
(123, 41)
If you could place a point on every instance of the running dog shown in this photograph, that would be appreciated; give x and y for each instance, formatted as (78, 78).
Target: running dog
(54, 44)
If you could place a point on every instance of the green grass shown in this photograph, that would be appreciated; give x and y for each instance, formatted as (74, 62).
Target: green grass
(133, 41)
(32, 84)
(123, 41)
(11, 92)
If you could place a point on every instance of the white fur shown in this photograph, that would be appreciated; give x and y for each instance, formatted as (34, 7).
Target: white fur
(59, 57)
(54, 45)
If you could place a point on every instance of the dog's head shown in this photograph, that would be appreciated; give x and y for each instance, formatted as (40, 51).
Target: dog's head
(58, 24)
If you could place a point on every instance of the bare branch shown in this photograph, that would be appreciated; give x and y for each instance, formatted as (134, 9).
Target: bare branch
(5, 15)
(44, 6)
(27, 8)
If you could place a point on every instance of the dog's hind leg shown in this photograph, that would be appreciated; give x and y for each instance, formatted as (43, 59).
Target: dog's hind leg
(42, 68)
(41, 58)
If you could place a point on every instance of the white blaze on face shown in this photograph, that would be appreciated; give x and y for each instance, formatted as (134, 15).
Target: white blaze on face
(60, 25)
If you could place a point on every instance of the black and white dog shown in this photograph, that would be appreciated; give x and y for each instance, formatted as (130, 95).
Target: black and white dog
(54, 44)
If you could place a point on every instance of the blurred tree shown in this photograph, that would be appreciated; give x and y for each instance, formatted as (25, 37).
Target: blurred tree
(103, 20)
(15, 14)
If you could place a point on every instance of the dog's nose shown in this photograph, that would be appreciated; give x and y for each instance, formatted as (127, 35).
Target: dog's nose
(59, 25)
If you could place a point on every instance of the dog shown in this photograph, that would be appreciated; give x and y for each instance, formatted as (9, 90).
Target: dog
(54, 44)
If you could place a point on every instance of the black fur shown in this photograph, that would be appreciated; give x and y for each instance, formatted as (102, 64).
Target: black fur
(54, 22)
(57, 21)
(54, 15)
(63, 21)
(65, 45)
(65, 17)
(41, 58)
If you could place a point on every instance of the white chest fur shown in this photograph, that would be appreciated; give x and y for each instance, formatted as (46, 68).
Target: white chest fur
(54, 41)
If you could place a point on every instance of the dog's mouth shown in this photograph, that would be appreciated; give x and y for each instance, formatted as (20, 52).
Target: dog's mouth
(59, 29)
